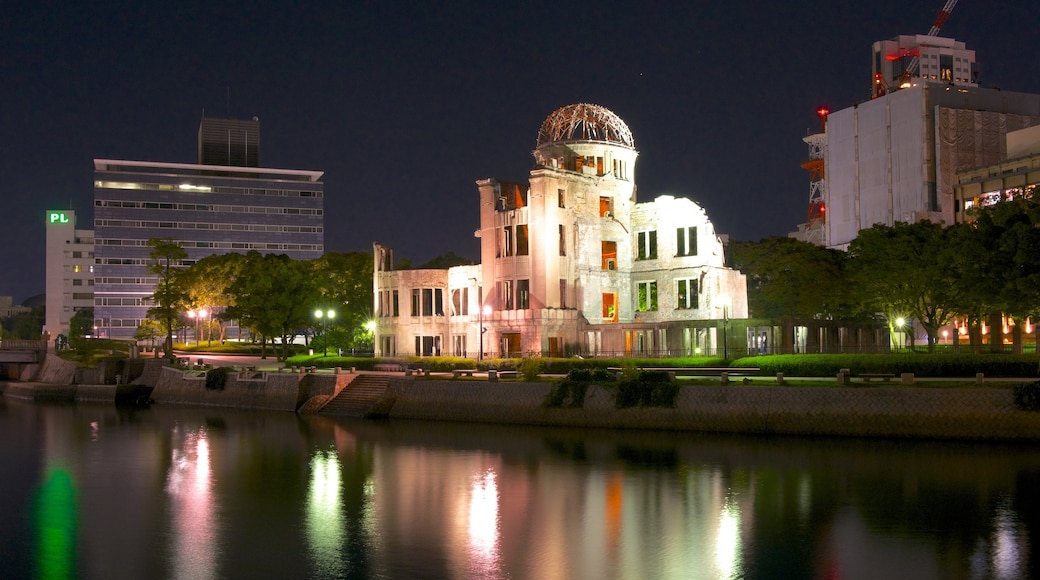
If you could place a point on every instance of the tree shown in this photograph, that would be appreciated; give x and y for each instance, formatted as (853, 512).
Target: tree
(999, 265)
(273, 296)
(445, 261)
(169, 297)
(80, 325)
(344, 282)
(904, 271)
(208, 283)
(788, 277)
(149, 330)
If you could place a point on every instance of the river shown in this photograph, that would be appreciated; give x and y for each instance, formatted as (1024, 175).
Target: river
(92, 491)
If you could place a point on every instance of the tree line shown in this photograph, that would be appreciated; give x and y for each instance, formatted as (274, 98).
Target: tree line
(930, 273)
(273, 296)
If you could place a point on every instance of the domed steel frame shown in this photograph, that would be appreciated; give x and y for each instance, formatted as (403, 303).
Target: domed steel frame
(584, 122)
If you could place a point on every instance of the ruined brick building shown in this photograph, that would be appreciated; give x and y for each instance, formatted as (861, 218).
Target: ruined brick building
(570, 263)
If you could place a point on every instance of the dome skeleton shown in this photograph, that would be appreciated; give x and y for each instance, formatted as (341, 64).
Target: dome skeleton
(585, 122)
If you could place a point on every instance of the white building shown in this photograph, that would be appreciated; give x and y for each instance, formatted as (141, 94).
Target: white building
(570, 262)
(69, 271)
(942, 60)
(895, 158)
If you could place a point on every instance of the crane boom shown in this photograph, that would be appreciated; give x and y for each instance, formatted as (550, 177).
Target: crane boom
(911, 67)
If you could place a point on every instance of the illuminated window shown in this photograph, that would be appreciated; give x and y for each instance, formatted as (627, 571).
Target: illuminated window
(561, 198)
(686, 297)
(609, 255)
(606, 206)
(610, 313)
(647, 296)
(647, 245)
(563, 240)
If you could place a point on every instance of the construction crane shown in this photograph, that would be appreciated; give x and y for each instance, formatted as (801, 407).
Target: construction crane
(911, 67)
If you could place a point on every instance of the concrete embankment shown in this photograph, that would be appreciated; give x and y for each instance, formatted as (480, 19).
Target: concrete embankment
(977, 413)
(247, 390)
(891, 411)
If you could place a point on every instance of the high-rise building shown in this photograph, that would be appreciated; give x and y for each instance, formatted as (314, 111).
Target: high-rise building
(895, 158)
(224, 205)
(70, 271)
(939, 60)
(570, 262)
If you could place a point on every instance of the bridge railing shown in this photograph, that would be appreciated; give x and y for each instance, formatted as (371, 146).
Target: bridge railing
(21, 344)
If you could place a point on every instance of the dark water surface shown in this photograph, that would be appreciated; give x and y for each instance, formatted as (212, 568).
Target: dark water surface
(94, 492)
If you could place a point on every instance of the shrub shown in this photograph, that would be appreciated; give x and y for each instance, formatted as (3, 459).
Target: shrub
(1026, 396)
(651, 391)
(216, 378)
(529, 368)
(567, 394)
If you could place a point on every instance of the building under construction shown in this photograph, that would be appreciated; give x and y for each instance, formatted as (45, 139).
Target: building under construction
(894, 158)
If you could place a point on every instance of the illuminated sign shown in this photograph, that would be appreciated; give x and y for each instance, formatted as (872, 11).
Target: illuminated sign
(57, 217)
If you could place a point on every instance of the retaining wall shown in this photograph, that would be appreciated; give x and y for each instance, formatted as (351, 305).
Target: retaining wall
(270, 391)
(873, 411)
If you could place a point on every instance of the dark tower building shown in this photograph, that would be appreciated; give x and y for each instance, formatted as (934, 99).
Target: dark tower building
(229, 142)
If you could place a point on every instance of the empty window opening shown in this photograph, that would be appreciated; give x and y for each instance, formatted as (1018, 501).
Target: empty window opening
(647, 296)
(609, 255)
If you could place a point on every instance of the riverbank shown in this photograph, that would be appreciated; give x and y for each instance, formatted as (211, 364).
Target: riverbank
(983, 413)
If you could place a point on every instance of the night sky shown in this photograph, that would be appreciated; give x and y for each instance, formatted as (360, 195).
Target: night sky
(405, 105)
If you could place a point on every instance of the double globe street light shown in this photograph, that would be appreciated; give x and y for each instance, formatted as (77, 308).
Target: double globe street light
(324, 316)
(198, 315)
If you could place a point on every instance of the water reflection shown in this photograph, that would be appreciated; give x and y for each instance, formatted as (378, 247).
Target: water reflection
(483, 525)
(326, 531)
(178, 493)
(194, 551)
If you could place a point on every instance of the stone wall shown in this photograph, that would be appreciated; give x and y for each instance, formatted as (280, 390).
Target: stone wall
(854, 411)
(270, 391)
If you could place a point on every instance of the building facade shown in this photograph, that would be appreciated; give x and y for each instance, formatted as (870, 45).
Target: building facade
(570, 263)
(1018, 176)
(895, 158)
(69, 271)
(939, 59)
(215, 207)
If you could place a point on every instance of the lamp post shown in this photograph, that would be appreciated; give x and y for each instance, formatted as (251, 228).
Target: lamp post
(194, 317)
(480, 325)
(324, 316)
(203, 313)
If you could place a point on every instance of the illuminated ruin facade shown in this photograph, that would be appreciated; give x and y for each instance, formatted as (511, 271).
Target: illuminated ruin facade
(569, 263)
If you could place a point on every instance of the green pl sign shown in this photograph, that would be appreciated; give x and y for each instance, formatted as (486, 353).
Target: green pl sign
(57, 217)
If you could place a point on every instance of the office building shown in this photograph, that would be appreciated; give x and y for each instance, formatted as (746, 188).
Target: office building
(69, 271)
(223, 204)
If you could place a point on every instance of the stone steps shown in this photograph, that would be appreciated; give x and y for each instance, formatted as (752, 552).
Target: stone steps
(358, 397)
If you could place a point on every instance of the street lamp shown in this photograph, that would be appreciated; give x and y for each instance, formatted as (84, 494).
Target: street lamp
(192, 315)
(324, 316)
(483, 311)
(197, 316)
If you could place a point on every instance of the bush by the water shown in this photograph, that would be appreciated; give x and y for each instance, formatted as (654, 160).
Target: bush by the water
(650, 389)
(216, 378)
(567, 394)
(1027, 396)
